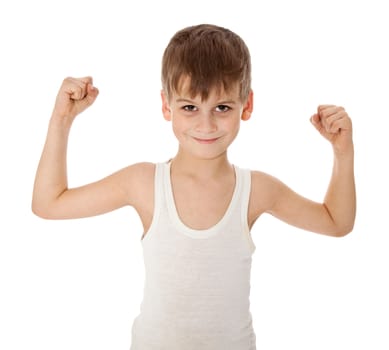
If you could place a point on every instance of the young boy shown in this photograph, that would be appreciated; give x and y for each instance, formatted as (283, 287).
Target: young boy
(197, 209)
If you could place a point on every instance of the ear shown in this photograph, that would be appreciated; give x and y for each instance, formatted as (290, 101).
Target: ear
(248, 107)
(166, 111)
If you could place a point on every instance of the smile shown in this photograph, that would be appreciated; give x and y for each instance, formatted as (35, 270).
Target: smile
(206, 141)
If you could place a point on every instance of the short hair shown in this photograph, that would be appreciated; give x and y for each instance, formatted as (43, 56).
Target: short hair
(211, 57)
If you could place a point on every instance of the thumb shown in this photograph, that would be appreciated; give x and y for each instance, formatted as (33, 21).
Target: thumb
(91, 94)
(90, 97)
(315, 120)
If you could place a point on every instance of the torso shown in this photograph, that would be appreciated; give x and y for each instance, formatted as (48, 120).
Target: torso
(200, 203)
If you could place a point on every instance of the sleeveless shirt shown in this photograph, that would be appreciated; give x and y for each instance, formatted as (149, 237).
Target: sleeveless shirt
(197, 282)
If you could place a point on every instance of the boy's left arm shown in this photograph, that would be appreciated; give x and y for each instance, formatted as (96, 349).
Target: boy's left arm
(335, 125)
(336, 214)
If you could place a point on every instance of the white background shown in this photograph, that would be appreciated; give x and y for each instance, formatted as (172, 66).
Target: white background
(78, 284)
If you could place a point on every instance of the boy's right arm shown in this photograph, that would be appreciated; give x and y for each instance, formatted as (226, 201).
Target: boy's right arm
(52, 199)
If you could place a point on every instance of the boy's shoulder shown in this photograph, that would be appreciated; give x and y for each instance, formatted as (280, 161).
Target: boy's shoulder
(140, 173)
(143, 168)
(263, 183)
(264, 190)
(137, 176)
(137, 180)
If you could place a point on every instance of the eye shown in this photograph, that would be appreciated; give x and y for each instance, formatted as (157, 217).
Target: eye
(189, 108)
(222, 108)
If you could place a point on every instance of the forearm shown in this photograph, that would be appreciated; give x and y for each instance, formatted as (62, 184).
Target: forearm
(51, 176)
(340, 199)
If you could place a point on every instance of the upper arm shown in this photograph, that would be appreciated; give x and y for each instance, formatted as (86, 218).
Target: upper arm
(270, 195)
(127, 186)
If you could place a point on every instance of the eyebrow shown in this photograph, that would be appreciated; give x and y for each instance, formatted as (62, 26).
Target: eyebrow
(218, 103)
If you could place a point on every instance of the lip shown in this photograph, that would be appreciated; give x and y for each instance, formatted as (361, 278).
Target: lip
(206, 141)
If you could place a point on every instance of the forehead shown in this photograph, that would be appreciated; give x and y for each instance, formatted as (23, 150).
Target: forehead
(217, 91)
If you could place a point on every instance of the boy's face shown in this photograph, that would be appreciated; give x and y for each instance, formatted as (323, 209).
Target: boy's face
(205, 129)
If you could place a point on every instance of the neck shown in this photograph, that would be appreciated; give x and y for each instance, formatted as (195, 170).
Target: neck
(198, 167)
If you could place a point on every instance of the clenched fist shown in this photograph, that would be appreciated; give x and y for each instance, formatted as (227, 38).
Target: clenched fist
(335, 125)
(74, 96)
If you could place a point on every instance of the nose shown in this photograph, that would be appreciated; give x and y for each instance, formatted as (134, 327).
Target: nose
(206, 123)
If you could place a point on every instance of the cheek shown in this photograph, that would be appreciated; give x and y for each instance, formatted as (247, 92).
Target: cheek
(178, 127)
(233, 127)
(232, 124)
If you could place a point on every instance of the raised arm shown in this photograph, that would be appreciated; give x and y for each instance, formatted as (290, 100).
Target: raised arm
(336, 214)
(335, 125)
(52, 199)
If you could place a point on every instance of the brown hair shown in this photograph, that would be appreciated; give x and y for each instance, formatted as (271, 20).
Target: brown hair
(211, 57)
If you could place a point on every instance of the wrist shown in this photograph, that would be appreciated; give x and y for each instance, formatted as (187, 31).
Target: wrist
(344, 152)
(58, 121)
(344, 159)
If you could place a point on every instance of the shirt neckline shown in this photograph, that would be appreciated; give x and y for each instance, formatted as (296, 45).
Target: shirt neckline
(180, 225)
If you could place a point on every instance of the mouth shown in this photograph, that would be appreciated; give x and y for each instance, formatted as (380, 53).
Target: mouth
(206, 141)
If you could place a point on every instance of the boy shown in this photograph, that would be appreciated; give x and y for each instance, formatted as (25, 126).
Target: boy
(197, 209)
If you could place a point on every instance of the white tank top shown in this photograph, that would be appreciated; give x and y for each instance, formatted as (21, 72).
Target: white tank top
(197, 282)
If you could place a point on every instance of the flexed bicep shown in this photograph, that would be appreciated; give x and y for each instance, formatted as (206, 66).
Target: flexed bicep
(272, 196)
(124, 187)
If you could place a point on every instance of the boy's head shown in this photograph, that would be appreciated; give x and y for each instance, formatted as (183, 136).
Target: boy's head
(211, 57)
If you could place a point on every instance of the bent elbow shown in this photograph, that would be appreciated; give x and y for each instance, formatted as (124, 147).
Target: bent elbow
(343, 231)
(41, 211)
